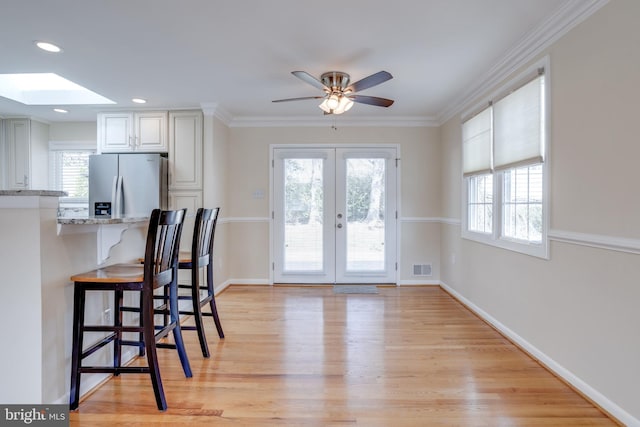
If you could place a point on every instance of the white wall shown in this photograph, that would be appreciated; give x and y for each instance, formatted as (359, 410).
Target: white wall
(73, 131)
(579, 309)
(62, 256)
(249, 170)
(36, 295)
(39, 155)
(216, 190)
(20, 303)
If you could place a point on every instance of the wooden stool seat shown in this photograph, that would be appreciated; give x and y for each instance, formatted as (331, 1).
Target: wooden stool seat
(112, 274)
(184, 258)
(159, 270)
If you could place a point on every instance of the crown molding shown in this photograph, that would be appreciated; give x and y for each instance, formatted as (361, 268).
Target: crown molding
(324, 121)
(214, 109)
(569, 15)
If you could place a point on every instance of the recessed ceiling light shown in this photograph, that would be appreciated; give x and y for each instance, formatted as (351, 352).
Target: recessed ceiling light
(139, 100)
(60, 110)
(49, 47)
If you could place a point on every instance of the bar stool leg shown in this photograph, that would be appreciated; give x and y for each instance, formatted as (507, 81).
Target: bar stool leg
(117, 322)
(76, 352)
(149, 342)
(212, 302)
(141, 324)
(177, 332)
(197, 309)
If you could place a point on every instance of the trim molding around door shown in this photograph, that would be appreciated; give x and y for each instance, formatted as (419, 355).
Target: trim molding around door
(311, 146)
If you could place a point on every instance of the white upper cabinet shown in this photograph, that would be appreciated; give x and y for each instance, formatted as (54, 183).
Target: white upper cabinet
(18, 144)
(133, 132)
(25, 157)
(185, 150)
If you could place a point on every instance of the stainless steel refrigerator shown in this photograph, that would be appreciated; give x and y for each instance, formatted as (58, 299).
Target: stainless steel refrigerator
(123, 185)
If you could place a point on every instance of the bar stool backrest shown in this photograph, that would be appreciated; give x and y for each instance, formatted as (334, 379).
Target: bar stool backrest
(163, 240)
(202, 244)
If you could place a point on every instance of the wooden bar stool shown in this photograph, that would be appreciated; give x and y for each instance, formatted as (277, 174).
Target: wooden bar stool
(159, 270)
(201, 256)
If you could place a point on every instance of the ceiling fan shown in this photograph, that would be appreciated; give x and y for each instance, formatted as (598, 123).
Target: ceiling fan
(339, 95)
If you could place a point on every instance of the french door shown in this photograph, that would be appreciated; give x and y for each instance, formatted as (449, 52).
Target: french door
(334, 217)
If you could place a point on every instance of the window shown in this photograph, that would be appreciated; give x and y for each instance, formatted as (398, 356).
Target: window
(504, 167)
(480, 188)
(69, 172)
(522, 204)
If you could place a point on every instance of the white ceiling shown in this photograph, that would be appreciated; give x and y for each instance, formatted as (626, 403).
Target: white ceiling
(238, 55)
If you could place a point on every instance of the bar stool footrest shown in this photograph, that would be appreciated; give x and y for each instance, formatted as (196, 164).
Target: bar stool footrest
(97, 346)
(165, 345)
(116, 371)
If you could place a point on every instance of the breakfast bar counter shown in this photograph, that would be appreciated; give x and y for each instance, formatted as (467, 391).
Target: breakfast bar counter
(38, 254)
(89, 220)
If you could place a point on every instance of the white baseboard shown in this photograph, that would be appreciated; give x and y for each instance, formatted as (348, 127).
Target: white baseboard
(221, 287)
(244, 282)
(550, 364)
(419, 283)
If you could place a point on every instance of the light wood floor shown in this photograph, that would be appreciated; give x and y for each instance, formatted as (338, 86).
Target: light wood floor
(298, 356)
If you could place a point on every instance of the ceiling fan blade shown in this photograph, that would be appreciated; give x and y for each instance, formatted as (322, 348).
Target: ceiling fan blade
(306, 77)
(371, 100)
(372, 80)
(298, 99)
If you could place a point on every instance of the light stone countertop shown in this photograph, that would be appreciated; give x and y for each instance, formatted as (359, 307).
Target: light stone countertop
(49, 193)
(77, 220)
(89, 220)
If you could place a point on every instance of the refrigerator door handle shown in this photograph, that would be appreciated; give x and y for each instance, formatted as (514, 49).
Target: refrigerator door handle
(116, 197)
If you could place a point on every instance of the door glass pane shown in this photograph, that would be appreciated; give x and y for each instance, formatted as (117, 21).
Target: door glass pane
(303, 203)
(365, 214)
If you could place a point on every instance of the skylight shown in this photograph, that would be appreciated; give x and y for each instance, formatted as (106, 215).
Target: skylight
(47, 89)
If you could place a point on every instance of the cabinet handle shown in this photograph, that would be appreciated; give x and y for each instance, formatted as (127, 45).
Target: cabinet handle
(130, 142)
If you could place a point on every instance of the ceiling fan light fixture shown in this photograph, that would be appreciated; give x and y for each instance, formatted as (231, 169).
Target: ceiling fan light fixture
(324, 107)
(344, 105)
(333, 101)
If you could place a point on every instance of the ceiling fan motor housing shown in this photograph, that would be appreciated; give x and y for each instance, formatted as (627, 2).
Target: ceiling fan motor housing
(335, 80)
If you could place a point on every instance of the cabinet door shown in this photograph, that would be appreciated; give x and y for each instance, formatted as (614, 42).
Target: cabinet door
(115, 132)
(3, 156)
(192, 200)
(18, 153)
(151, 132)
(185, 150)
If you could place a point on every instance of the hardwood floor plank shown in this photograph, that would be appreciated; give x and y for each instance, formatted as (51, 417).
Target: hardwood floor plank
(298, 356)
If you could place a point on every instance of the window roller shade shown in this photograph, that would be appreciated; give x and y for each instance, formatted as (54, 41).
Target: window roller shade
(476, 137)
(518, 126)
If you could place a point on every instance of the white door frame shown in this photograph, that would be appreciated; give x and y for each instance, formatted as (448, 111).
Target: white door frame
(372, 147)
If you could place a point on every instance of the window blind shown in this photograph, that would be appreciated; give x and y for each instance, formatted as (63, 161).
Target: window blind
(476, 144)
(518, 126)
(71, 172)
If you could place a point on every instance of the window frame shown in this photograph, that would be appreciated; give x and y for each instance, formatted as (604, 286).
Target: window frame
(56, 147)
(469, 184)
(496, 237)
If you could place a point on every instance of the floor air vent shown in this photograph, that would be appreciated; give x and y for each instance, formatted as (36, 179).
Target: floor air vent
(422, 269)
